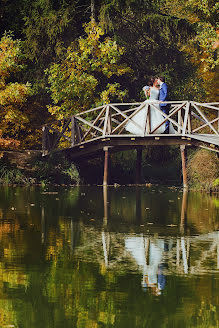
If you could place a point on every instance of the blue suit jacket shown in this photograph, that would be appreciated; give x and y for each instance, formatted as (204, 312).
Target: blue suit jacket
(163, 95)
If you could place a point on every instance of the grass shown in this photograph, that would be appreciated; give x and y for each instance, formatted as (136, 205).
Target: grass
(11, 175)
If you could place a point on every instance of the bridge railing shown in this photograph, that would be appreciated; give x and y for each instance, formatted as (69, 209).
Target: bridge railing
(187, 117)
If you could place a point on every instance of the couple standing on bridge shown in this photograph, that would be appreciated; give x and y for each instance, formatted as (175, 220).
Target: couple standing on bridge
(156, 92)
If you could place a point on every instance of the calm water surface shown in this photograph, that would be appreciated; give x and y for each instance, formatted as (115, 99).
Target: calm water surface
(85, 257)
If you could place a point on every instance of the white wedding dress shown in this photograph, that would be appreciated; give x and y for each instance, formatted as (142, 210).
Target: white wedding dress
(155, 117)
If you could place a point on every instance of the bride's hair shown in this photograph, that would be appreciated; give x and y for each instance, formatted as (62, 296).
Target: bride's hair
(151, 82)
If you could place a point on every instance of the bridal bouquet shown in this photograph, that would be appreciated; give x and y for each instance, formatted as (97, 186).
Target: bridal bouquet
(146, 91)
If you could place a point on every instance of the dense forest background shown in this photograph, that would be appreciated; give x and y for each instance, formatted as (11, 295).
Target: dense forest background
(62, 56)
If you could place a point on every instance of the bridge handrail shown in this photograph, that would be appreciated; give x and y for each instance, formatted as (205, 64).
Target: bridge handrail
(109, 120)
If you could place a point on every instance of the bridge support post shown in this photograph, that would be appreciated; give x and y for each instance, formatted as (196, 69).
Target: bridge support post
(184, 169)
(138, 166)
(106, 166)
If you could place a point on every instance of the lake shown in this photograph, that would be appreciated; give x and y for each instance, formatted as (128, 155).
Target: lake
(114, 257)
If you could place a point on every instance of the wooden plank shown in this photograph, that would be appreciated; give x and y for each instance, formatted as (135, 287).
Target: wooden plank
(90, 110)
(132, 109)
(128, 118)
(207, 138)
(179, 120)
(146, 119)
(88, 123)
(205, 118)
(167, 117)
(189, 123)
(78, 133)
(95, 121)
(127, 111)
(186, 118)
(61, 134)
(204, 125)
(109, 123)
(208, 148)
(197, 117)
(106, 120)
(72, 131)
(206, 105)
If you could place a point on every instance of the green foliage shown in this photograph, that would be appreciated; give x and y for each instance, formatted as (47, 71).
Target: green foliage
(87, 75)
(9, 175)
(175, 38)
(201, 46)
(73, 173)
(12, 94)
(216, 183)
(151, 40)
(56, 170)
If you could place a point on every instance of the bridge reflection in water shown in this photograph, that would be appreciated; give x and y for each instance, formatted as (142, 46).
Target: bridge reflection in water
(156, 248)
(159, 255)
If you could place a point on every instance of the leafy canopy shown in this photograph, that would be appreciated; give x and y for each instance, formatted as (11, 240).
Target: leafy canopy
(88, 75)
(12, 94)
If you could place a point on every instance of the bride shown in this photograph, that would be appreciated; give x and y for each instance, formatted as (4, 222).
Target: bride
(155, 116)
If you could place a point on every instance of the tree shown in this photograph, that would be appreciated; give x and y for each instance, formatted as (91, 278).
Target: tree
(151, 38)
(201, 48)
(12, 94)
(88, 75)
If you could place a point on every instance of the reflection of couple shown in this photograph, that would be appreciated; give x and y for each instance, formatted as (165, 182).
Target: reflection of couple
(148, 254)
(156, 91)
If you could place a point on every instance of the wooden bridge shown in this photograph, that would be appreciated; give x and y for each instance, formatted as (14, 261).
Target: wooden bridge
(97, 131)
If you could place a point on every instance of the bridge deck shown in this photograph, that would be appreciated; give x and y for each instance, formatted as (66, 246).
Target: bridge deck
(95, 147)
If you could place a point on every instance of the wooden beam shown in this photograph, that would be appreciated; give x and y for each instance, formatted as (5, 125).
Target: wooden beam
(61, 134)
(147, 117)
(106, 166)
(128, 118)
(167, 117)
(184, 169)
(72, 131)
(88, 123)
(179, 120)
(207, 105)
(205, 118)
(89, 111)
(95, 121)
(106, 120)
(206, 124)
(186, 118)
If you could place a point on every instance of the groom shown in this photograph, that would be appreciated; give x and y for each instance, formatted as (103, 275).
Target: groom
(163, 96)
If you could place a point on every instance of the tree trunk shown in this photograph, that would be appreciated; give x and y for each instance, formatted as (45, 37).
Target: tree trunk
(92, 9)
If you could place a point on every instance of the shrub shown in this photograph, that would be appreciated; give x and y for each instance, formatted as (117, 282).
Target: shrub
(56, 169)
(203, 170)
(9, 175)
(73, 173)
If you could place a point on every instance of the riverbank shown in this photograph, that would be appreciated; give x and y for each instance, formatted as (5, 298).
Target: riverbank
(159, 166)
